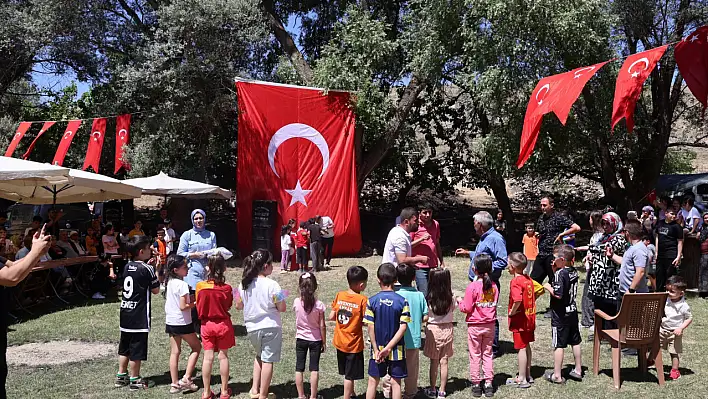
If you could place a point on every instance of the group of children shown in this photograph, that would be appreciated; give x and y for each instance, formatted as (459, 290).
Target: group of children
(394, 318)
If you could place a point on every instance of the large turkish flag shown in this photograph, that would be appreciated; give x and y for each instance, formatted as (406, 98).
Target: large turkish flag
(296, 147)
(692, 60)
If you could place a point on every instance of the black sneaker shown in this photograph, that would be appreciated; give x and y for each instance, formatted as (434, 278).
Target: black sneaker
(138, 384)
(488, 389)
(477, 390)
(122, 380)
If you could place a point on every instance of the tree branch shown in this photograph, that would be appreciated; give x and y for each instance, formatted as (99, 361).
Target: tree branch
(687, 144)
(378, 151)
(133, 15)
(287, 43)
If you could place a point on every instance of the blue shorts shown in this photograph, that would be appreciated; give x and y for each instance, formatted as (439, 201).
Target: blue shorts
(394, 368)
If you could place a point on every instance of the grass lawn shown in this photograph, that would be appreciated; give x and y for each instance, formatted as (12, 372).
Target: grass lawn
(98, 322)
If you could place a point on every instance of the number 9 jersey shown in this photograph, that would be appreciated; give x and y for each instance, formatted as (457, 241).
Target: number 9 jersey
(139, 279)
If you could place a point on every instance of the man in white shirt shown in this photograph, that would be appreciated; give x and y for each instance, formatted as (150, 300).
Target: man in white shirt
(398, 243)
(327, 227)
(170, 236)
(691, 216)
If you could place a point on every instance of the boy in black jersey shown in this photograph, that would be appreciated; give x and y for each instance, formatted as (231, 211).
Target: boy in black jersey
(564, 313)
(139, 282)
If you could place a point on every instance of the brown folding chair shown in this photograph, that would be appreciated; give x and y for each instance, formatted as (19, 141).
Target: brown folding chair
(638, 323)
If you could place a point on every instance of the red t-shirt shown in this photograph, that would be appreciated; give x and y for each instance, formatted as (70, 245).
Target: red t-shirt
(301, 238)
(521, 290)
(214, 301)
(427, 247)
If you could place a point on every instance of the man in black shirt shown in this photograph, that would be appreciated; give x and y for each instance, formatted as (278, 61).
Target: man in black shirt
(669, 247)
(315, 230)
(11, 274)
(551, 227)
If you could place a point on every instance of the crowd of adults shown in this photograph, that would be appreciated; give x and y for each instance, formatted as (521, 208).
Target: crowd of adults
(652, 246)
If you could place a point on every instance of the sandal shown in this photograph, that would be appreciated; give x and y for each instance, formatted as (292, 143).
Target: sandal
(225, 395)
(549, 376)
(188, 385)
(211, 396)
(514, 382)
(175, 388)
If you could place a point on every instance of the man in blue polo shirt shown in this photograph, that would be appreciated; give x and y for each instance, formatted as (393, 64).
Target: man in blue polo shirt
(493, 244)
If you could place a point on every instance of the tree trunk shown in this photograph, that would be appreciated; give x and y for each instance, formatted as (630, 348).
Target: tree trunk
(498, 185)
(297, 59)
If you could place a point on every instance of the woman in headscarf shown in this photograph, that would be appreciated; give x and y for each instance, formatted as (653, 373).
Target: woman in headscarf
(588, 319)
(648, 220)
(192, 245)
(603, 283)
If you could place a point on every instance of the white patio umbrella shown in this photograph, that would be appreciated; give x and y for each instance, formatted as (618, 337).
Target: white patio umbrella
(164, 185)
(35, 183)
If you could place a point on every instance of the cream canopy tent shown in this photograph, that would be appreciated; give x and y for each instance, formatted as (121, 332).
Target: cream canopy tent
(36, 183)
(164, 185)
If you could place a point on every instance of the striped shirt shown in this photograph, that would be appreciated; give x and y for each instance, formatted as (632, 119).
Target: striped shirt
(387, 311)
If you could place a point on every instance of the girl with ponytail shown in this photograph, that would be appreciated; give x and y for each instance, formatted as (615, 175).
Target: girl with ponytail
(480, 305)
(262, 301)
(310, 334)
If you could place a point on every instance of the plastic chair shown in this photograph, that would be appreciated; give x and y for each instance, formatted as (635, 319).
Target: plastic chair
(638, 323)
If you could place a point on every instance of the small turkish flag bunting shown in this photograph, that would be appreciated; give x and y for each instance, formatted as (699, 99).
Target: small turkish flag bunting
(634, 72)
(122, 139)
(93, 153)
(65, 142)
(45, 127)
(21, 130)
(692, 60)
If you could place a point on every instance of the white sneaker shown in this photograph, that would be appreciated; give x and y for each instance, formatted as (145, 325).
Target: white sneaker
(98, 295)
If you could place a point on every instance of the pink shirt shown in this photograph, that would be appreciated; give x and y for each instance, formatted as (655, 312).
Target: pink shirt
(308, 325)
(427, 247)
(481, 307)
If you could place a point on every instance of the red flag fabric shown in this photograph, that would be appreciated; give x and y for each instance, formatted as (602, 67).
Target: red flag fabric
(44, 128)
(296, 147)
(630, 79)
(692, 60)
(93, 153)
(21, 130)
(122, 138)
(555, 94)
(65, 142)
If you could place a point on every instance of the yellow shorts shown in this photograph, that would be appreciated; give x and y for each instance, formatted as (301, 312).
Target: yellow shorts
(671, 341)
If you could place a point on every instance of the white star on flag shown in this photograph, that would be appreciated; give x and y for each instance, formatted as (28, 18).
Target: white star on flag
(694, 38)
(298, 194)
(635, 74)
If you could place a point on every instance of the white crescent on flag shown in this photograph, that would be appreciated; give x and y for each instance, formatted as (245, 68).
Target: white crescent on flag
(68, 134)
(577, 73)
(298, 130)
(122, 133)
(635, 74)
(96, 135)
(547, 87)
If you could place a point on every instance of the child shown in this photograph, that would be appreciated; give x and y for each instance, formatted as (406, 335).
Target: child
(301, 240)
(178, 324)
(348, 310)
(419, 314)
(285, 244)
(480, 305)
(564, 315)
(677, 317)
(522, 317)
(214, 298)
(439, 331)
(387, 316)
(160, 246)
(530, 243)
(101, 276)
(262, 301)
(651, 262)
(91, 241)
(139, 280)
(311, 334)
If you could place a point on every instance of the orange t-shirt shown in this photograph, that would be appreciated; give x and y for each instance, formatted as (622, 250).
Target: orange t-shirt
(530, 246)
(348, 332)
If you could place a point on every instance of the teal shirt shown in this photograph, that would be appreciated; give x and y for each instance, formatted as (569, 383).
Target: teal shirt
(418, 309)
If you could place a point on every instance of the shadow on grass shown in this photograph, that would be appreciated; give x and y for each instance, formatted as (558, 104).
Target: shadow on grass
(633, 374)
(51, 305)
